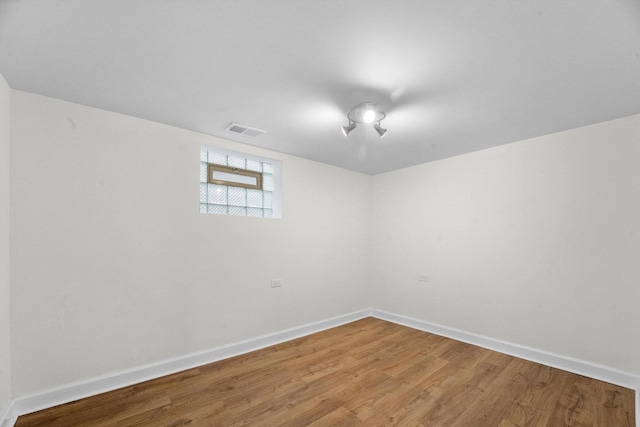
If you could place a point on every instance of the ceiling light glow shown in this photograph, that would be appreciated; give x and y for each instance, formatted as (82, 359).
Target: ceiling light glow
(369, 116)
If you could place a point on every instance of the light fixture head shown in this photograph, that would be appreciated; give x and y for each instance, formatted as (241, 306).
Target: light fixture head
(348, 128)
(379, 129)
(365, 113)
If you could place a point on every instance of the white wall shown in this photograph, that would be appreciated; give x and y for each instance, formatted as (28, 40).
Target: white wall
(113, 266)
(535, 243)
(5, 309)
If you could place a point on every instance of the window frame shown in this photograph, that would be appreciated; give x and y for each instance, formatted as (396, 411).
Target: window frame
(212, 167)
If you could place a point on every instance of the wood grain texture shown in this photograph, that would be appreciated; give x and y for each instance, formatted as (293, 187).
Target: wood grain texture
(366, 373)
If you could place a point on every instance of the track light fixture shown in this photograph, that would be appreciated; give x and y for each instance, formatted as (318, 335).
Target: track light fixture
(365, 113)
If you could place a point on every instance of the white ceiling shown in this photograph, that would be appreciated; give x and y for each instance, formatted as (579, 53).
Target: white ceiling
(453, 76)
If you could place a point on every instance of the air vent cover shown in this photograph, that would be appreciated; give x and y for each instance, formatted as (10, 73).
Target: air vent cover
(245, 130)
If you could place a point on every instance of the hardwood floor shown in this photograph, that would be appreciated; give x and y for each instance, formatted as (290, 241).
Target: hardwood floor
(366, 373)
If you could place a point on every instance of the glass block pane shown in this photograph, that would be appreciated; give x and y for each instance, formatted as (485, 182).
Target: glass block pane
(217, 209)
(237, 162)
(267, 196)
(203, 193)
(268, 213)
(267, 182)
(267, 168)
(254, 165)
(217, 158)
(203, 208)
(217, 194)
(237, 196)
(236, 210)
(254, 212)
(254, 198)
(203, 155)
(203, 172)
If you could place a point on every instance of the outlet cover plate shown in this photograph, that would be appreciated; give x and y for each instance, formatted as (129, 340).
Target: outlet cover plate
(276, 283)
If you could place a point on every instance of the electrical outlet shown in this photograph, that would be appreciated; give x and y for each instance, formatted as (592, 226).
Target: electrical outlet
(276, 283)
(423, 277)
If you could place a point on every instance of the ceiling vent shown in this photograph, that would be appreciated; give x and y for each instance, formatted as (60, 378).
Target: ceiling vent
(244, 130)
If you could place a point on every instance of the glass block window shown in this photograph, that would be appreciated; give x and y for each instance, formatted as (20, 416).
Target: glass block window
(231, 200)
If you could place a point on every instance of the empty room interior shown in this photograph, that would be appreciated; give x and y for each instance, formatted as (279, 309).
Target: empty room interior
(339, 213)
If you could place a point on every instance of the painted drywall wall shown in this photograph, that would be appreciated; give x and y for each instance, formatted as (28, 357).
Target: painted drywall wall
(114, 267)
(536, 243)
(5, 288)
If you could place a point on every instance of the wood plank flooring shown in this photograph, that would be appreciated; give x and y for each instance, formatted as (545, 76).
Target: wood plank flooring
(366, 373)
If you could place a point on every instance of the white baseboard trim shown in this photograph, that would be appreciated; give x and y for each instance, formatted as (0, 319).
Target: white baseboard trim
(638, 407)
(93, 386)
(581, 367)
(8, 417)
